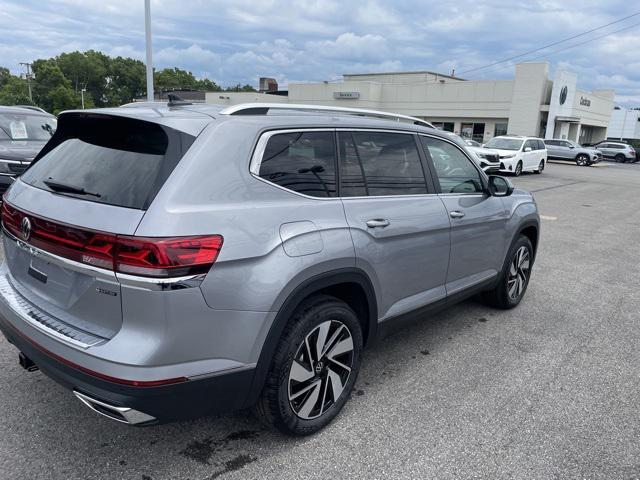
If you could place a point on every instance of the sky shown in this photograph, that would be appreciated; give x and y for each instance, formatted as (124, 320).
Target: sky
(296, 41)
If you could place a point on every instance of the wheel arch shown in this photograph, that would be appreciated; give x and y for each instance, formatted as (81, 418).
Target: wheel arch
(350, 285)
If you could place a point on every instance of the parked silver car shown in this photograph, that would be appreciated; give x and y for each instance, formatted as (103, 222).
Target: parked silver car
(166, 263)
(568, 150)
(618, 151)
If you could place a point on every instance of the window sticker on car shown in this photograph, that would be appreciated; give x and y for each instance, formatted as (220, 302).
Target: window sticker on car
(18, 130)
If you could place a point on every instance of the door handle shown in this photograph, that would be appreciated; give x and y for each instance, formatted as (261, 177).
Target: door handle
(456, 214)
(378, 223)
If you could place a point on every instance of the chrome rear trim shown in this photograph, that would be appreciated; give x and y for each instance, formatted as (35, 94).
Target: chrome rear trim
(42, 321)
(119, 414)
(145, 283)
(97, 272)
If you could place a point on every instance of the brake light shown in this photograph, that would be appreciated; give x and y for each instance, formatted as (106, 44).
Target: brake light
(159, 257)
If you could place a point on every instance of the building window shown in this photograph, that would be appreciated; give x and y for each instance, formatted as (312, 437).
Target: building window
(474, 131)
(500, 129)
(446, 126)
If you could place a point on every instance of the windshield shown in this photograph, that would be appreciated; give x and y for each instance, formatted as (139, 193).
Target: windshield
(504, 143)
(26, 126)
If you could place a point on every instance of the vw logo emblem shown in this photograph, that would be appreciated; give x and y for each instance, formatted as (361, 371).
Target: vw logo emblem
(25, 227)
(563, 95)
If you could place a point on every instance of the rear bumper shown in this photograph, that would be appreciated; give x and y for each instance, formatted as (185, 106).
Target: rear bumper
(190, 399)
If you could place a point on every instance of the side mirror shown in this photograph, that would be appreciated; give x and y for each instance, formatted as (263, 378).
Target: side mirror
(528, 149)
(500, 186)
(571, 147)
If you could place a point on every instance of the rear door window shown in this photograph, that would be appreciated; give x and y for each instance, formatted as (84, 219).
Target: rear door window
(304, 162)
(379, 164)
(111, 160)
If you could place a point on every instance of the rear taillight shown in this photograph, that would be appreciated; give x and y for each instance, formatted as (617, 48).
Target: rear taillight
(159, 257)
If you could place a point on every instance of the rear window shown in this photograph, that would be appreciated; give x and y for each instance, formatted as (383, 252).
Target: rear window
(116, 161)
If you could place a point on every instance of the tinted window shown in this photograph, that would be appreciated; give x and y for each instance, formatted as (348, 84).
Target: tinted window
(530, 144)
(376, 163)
(304, 162)
(552, 143)
(117, 161)
(540, 145)
(455, 172)
(27, 126)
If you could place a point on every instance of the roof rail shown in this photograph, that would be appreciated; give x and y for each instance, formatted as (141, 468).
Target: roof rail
(263, 109)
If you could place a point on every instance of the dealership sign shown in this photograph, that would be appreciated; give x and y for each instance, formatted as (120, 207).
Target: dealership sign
(346, 95)
(585, 102)
(563, 95)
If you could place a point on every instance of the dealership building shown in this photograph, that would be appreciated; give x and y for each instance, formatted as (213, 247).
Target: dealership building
(529, 104)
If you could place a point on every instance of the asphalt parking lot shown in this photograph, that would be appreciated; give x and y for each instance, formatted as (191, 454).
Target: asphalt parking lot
(548, 390)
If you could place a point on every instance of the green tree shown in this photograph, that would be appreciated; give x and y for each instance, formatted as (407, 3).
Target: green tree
(5, 76)
(63, 98)
(14, 91)
(86, 70)
(126, 80)
(206, 85)
(240, 88)
(174, 79)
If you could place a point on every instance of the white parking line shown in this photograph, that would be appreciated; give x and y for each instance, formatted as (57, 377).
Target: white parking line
(548, 217)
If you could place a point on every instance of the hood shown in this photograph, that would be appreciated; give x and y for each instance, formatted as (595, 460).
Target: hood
(23, 151)
(505, 152)
(486, 151)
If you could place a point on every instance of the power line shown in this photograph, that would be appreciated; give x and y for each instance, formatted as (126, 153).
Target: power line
(551, 44)
(544, 55)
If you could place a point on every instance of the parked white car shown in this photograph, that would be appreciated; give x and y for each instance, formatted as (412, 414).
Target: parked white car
(519, 154)
(486, 159)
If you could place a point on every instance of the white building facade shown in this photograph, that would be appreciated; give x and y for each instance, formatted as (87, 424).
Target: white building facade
(624, 125)
(529, 104)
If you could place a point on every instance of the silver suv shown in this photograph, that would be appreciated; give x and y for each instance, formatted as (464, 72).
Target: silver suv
(569, 150)
(620, 152)
(170, 262)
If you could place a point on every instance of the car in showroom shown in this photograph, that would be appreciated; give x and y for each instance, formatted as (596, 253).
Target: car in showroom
(23, 133)
(168, 263)
(619, 151)
(519, 154)
(559, 149)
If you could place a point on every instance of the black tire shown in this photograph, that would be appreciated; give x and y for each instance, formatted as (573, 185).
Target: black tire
(540, 167)
(274, 406)
(518, 169)
(582, 160)
(620, 158)
(499, 297)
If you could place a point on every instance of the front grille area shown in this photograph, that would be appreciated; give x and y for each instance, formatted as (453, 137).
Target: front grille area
(492, 158)
(17, 168)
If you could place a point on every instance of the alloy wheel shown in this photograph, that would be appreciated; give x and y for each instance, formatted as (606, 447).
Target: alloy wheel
(541, 166)
(518, 273)
(518, 169)
(582, 160)
(320, 369)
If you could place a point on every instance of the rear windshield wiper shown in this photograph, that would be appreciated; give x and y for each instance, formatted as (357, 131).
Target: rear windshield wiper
(66, 188)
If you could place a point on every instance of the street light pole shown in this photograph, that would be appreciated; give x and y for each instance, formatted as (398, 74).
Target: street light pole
(147, 27)
(82, 96)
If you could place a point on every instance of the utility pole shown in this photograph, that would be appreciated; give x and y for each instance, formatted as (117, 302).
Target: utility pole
(82, 96)
(28, 77)
(147, 28)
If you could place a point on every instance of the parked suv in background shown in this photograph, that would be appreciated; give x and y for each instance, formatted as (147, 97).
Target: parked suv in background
(620, 152)
(23, 132)
(489, 160)
(166, 263)
(568, 150)
(519, 154)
